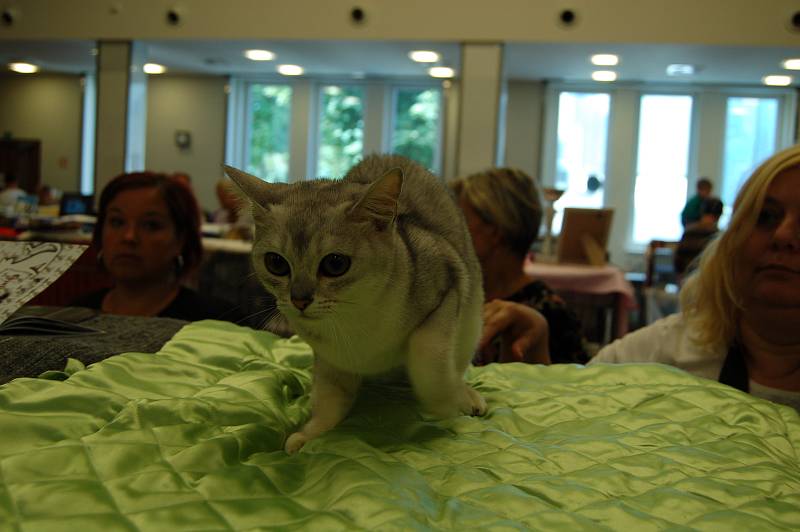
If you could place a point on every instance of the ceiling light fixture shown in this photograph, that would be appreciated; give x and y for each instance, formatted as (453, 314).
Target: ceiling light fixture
(680, 69)
(259, 55)
(441, 72)
(604, 75)
(605, 59)
(791, 64)
(154, 68)
(777, 81)
(23, 68)
(290, 70)
(424, 56)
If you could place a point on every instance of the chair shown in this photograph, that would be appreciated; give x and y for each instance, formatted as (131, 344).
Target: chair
(661, 281)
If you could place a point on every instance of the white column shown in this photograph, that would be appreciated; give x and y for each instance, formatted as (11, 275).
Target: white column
(479, 108)
(300, 140)
(377, 136)
(621, 172)
(113, 79)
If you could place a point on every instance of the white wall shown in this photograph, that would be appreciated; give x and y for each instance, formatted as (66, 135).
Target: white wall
(524, 122)
(742, 22)
(195, 104)
(46, 107)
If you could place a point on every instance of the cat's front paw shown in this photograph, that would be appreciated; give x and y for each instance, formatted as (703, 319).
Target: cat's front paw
(295, 442)
(473, 404)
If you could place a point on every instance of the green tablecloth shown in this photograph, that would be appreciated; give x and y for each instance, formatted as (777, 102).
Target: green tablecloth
(192, 439)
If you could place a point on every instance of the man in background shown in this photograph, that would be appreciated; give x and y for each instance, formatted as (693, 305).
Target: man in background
(697, 235)
(11, 193)
(691, 212)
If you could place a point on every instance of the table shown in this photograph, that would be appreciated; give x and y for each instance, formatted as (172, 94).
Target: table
(604, 284)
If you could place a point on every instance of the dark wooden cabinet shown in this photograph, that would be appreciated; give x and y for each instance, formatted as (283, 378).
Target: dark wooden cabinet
(22, 158)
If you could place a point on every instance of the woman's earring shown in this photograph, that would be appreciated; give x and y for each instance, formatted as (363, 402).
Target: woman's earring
(179, 263)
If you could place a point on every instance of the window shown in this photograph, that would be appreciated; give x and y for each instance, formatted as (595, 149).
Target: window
(341, 130)
(751, 126)
(665, 123)
(416, 130)
(267, 144)
(581, 151)
(88, 133)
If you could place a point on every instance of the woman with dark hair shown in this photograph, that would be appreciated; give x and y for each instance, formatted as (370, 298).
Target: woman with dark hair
(148, 239)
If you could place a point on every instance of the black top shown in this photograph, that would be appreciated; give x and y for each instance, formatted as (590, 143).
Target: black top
(566, 340)
(734, 370)
(188, 305)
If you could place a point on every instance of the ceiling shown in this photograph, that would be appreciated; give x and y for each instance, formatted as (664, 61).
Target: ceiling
(389, 59)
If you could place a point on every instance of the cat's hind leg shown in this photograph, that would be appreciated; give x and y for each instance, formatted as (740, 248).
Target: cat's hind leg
(332, 394)
(435, 365)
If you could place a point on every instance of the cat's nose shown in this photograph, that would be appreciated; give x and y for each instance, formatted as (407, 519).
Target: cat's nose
(302, 303)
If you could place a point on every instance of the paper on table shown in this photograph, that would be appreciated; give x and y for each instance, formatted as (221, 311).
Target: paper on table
(27, 268)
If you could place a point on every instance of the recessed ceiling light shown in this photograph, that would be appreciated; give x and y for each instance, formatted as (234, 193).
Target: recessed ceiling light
(290, 70)
(604, 75)
(777, 81)
(259, 55)
(441, 72)
(680, 69)
(424, 56)
(791, 64)
(23, 68)
(154, 68)
(605, 59)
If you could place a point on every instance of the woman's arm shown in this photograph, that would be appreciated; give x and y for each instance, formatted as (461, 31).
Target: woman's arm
(522, 331)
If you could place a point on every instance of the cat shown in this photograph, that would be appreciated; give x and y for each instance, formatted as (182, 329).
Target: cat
(375, 271)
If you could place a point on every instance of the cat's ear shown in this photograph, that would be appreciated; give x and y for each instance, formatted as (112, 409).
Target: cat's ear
(379, 202)
(259, 192)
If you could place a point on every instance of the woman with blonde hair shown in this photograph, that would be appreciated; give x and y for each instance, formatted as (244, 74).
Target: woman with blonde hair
(740, 311)
(503, 213)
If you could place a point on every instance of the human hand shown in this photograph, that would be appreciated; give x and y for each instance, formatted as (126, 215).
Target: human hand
(522, 332)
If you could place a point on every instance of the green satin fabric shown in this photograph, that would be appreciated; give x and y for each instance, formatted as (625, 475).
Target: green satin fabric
(192, 439)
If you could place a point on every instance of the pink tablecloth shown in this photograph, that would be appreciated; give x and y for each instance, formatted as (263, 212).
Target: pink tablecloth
(589, 280)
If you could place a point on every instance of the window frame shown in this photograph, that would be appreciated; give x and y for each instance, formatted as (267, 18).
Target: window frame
(784, 134)
(691, 156)
(238, 124)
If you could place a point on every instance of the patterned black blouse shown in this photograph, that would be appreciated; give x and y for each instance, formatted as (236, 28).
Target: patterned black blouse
(566, 340)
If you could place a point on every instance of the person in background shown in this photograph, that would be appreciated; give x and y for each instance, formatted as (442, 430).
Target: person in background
(503, 212)
(691, 211)
(186, 179)
(230, 212)
(696, 236)
(229, 203)
(740, 310)
(48, 195)
(11, 192)
(148, 239)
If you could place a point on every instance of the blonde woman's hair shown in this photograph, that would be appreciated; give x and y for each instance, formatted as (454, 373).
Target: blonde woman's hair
(506, 198)
(710, 300)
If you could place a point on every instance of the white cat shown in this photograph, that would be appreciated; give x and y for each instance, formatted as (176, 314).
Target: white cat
(375, 272)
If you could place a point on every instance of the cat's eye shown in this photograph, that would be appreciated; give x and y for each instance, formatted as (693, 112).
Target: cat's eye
(276, 265)
(334, 265)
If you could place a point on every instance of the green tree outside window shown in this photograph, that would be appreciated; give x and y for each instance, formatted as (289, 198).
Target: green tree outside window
(417, 115)
(270, 115)
(341, 130)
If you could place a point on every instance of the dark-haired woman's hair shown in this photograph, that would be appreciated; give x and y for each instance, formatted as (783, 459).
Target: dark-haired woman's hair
(181, 204)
